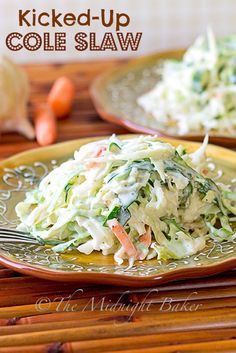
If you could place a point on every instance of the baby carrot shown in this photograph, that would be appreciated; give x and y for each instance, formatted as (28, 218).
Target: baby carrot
(61, 96)
(45, 125)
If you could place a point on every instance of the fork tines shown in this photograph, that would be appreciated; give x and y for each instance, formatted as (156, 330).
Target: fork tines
(12, 235)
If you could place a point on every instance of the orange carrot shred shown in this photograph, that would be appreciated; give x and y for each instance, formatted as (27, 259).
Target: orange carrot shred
(123, 237)
(98, 153)
(146, 238)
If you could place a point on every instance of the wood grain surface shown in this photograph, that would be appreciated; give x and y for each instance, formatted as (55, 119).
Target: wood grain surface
(197, 315)
(83, 121)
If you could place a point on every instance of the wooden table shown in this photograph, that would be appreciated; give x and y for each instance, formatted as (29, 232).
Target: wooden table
(39, 316)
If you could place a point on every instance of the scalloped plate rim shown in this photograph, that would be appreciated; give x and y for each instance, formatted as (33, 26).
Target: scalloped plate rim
(118, 279)
(113, 278)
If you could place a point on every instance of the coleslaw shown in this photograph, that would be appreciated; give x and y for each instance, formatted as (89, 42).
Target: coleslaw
(198, 93)
(137, 199)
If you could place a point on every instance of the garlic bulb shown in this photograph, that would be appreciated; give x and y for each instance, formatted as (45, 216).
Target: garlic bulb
(14, 92)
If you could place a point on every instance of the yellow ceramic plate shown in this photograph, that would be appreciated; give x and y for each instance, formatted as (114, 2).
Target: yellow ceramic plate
(23, 171)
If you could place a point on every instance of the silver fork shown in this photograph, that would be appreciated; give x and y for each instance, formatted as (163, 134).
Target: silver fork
(17, 236)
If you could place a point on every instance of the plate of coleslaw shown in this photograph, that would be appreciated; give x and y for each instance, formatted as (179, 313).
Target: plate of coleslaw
(131, 210)
(180, 94)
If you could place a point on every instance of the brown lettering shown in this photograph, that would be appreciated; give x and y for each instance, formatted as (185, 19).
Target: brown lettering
(129, 40)
(103, 20)
(22, 19)
(108, 42)
(120, 22)
(69, 19)
(86, 17)
(47, 46)
(93, 46)
(82, 43)
(28, 38)
(9, 41)
(60, 39)
(41, 15)
(55, 19)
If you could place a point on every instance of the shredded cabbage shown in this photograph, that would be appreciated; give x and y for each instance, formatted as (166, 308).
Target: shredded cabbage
(198, 93)
(137, 199)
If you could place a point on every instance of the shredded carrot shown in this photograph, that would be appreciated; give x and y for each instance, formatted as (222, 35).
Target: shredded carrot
(123, 237)
(45, 125)
(61, 96)
(98, 153)
(146, 238)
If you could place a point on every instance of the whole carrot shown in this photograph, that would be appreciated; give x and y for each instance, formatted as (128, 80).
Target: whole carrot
(45, 125)
(61, 96)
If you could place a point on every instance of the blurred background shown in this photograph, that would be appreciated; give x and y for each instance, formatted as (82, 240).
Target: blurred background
(165, 24)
